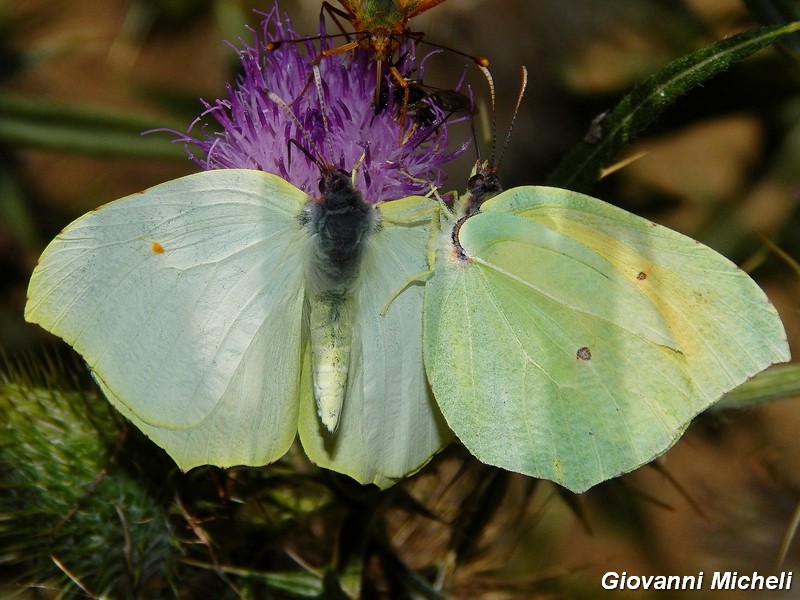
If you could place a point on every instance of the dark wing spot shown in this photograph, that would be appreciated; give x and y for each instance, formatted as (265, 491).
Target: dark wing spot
(641, 276)
(583, 354)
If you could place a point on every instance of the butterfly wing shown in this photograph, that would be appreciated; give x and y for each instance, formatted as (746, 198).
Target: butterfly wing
(577, 341)
(186, 301)
(726, 326)
(389, 426)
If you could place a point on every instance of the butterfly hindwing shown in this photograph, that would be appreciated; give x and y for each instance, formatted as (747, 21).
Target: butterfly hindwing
(389, 426)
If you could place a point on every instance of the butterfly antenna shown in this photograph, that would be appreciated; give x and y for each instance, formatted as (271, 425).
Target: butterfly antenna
(490, 80)
(475, 137)
(305, 150)
(523, 73)
(321, 96)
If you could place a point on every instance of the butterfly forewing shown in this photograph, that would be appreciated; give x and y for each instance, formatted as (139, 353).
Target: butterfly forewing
(186, 303)
(726, 327)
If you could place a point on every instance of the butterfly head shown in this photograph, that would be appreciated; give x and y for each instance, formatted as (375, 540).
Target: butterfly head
(338, 191)
(482, 185)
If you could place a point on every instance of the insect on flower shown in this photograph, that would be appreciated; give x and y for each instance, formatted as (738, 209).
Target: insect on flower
(381, 27)
(255, 131)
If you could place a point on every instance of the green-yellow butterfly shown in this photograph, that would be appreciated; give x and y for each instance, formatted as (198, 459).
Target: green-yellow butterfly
(571, 340)
(195, 304)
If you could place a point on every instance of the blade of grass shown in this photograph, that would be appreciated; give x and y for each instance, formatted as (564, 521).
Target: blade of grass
(63, 126)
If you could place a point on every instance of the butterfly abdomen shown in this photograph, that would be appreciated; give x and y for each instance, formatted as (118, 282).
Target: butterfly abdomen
(331, 325)
(340, 223)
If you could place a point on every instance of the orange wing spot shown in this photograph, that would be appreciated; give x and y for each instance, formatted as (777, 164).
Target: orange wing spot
(158, 248)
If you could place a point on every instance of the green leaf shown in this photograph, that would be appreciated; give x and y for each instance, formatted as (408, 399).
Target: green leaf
(14, 210)
(64, 126)
(777, 12)
(775, 383)
(583, 166)
(301, 584)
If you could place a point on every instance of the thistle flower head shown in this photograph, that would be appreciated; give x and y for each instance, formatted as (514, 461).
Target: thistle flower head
(276, 99)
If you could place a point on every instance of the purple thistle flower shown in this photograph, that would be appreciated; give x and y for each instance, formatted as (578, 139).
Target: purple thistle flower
(256, 129)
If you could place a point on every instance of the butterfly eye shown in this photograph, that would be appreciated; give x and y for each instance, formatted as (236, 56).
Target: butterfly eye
(475, 181)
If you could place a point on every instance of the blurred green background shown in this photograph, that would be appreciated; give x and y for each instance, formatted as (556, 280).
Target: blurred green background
(79, 80)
